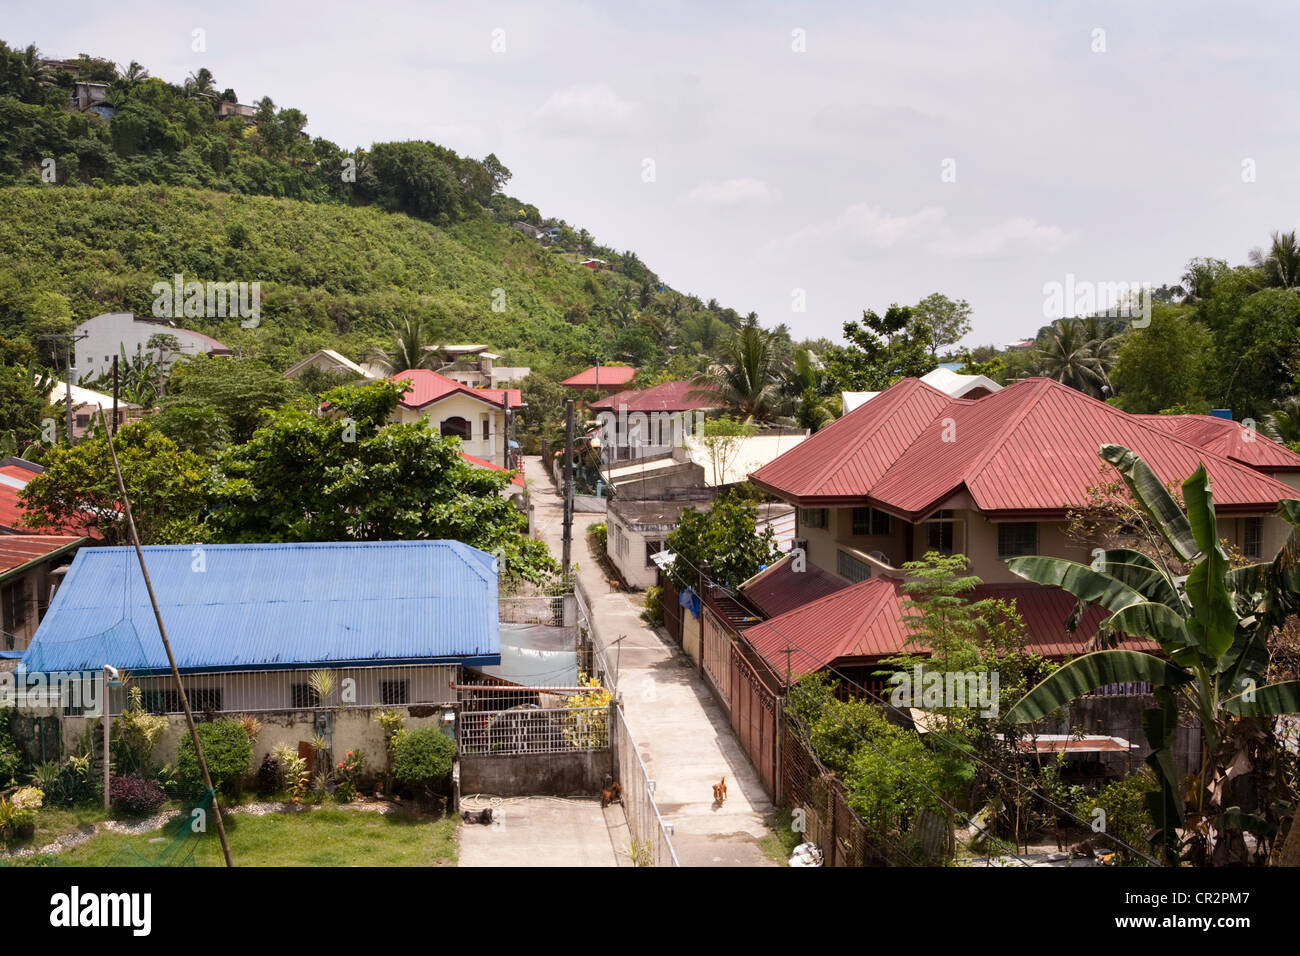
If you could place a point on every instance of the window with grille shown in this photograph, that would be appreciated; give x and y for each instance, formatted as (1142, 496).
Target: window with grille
(395, 691)
(1252, 538)
(304, 695)
(813, 517)
(1017, 538)
(868, 521)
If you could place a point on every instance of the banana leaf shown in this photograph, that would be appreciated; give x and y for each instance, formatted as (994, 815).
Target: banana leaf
(1154, 498)
(1269, 701)
(1079, 579)
(1085, 674)
(1211, 603)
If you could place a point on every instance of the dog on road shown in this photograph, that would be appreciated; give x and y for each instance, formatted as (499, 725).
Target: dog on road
(720, 791)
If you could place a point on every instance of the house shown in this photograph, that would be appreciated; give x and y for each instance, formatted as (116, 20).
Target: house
(31, 567)
(474, 365)
(328, 360)
(247, 113)
(914, 470)
(482, 418)
(86, 404)
(87, 96)
(642, 423)
(594, 263)
(943, 378)
(395, 621)
(600, 378)
(111, 333)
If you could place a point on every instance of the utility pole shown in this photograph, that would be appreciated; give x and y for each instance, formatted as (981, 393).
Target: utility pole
(70, 379)
(568, 484)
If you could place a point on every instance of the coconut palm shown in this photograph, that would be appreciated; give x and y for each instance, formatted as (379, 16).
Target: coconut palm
(1212, 626)
(1069, 355)
(803, 387)
(410, 347)
(1283, 423)
(746, 379)
(1280, 265)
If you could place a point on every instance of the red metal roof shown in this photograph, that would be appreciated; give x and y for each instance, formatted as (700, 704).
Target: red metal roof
(19, 549)
(779, 588)
(13, 477)
(1030, 449)
(850, 455)
(429, 387)
(516, 479)
(1228, 439)
(601, 376)
(664, 397)
(865, 620)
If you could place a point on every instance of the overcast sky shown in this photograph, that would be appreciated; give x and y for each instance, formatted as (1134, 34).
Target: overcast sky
(749, 151)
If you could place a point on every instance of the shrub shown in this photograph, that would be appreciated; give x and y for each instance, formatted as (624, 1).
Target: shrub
(654, 606)
(599, 537)
(68, 783)
(226, 748)
(422, 757)
(11, 755)
(293, 770)
(28, 798)
(135, 795)
(349, 772)
(16, 822)
(270, 776)
(135, 733)
(1126, 815)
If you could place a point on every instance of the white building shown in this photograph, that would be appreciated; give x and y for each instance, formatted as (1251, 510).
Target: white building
(953, 384)
(110, 333)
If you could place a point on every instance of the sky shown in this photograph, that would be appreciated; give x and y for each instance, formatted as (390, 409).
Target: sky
(805, 161)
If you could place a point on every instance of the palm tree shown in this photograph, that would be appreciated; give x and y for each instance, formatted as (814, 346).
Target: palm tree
(202, 85)
(409, 347)
(127, 82)
(802, 387)
(746, 380)
(1283, 423)
(1069, 356)
(1212, 627)
(1281, 263)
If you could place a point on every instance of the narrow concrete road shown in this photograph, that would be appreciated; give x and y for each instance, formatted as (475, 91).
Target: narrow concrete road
(683, 734)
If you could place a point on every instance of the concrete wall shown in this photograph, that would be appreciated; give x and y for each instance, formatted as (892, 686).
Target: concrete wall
(625, 548)
(691, 635)
(520, 775)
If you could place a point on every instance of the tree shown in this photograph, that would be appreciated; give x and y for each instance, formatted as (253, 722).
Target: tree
(881, 350)
(409, 349)
(243, 390)
(1070, 356)
(722, 440)
(497, 170)
(78, 491)
(1212, 626)
(726, 538)
(941, 320)
(1283, 423)
(808, 391)
(1162, 366)
(353, 477)
(746, 381)
(1280, 264)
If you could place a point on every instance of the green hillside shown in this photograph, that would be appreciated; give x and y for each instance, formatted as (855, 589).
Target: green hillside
(331, 275)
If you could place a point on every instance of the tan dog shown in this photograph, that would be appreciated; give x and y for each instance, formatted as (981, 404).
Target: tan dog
(611, 793)
(720, 791)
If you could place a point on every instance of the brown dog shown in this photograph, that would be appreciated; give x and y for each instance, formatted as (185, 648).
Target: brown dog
(720, 791)
(611, 793)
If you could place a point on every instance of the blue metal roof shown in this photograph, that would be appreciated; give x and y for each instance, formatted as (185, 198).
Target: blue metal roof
(254, 606)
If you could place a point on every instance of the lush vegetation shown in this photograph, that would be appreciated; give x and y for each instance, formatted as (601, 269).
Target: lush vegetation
(725, 538)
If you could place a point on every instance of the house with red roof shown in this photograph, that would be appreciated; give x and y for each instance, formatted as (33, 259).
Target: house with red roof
(915, 470)
(600, 378)
(31, 566)
(482, 418)
(643, 423)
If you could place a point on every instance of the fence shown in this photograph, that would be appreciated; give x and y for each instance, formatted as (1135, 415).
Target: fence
(529, 729)
(756, 715)
(652, 845)
(593, 658)
(545, 609)
(817, 804)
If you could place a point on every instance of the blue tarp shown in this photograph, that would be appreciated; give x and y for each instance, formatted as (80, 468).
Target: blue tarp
(690, 599)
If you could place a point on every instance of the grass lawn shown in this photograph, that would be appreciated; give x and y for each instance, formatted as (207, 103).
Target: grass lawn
(780, 843)
(326, 837)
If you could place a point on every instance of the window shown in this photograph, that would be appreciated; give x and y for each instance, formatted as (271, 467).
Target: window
(162, 701)
(485, 428)
(1252, 538)
(652, 547)
(870, 521)
(938, 533)
(1017, 538)
(13, 606)
(205, 699)
(813, 517)
(395, 691)
(305, 696)
(456, 427)
(847, 566)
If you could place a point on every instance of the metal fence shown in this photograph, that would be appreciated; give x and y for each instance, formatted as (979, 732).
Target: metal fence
(535, 609)
(651, 843)
(529, 729)
(592, 656)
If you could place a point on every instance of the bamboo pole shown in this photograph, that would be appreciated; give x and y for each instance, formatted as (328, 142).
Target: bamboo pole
(171, 659)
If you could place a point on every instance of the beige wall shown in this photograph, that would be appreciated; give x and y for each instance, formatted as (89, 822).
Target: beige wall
(473, 411)
(626, 549)
(691, 634)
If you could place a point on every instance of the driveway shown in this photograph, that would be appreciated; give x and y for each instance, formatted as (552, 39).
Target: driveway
(544, 831)
(683, 734)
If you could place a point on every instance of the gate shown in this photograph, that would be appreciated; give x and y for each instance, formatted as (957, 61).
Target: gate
(716, 654)
(672, 610)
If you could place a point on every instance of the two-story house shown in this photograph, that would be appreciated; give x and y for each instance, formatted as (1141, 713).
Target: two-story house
(482, 418)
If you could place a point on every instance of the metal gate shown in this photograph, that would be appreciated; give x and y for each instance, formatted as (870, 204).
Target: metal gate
(716, 654)
(672, 610)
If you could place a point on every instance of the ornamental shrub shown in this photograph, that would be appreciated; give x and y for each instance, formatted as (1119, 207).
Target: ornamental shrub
(422, 757)
(226, 748)
(135, 794)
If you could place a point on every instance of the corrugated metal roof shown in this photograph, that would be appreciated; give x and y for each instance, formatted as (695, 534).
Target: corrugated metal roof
(428, 387)
(272, 605)
(778, 588)
(17, 550)
(865, 620)
(664, 397)
(1229, 439)
(601, 376)
(1030, 448)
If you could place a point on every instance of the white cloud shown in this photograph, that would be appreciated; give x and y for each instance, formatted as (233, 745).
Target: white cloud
(869, 224)
(585, 109)
(732, 192)
(993, 239)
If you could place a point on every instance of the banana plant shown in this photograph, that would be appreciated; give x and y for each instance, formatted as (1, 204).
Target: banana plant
(1211, 626)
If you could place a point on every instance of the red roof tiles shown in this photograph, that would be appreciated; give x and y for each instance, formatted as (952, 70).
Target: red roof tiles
(1228, 439)
(1030, 449)
(664, 397)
